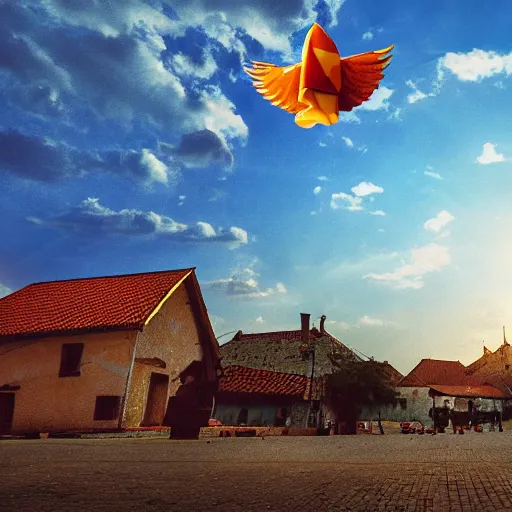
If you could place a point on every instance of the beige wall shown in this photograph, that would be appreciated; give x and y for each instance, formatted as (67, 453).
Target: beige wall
(172, 336)
(46, 402)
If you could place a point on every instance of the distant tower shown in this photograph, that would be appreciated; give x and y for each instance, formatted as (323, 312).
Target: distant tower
(505, 342)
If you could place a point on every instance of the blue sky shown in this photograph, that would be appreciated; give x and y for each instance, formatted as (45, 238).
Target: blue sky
(131, 141)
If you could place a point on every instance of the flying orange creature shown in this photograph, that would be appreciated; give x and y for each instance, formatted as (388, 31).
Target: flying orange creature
(323, 84)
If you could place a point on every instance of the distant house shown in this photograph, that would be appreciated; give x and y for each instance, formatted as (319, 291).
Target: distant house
(253, 397)
(303, 352)
(435, 387)
(101, 353)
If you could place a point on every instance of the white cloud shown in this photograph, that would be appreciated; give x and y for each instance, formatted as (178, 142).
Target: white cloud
(243, 283)
(90, 218)
(317, 190)
(259, 320)
(417, 95)
(378, 213)
(366, 188)
(477, 64)
(379, 100)
(349, 117)
(322, 144)
(340, 325)
(220, 117)
(395, 115)
(156, 169)
(323, 178)
(434, 175)
(368, 321)
(183, 65)
(368, 36)
(423, 260)
(490, 155)
(4, 290)
(436, 224)
(348, 202)
(348, 142)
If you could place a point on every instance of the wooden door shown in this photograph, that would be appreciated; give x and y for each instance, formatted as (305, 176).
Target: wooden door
(6, 412)
(157, 400)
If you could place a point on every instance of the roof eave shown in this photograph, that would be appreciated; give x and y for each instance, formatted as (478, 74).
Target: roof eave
(68, 332)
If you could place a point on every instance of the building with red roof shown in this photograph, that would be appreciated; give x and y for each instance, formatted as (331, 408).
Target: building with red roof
(102, 352)
(301, 355)
(255, 397)
(439, 389)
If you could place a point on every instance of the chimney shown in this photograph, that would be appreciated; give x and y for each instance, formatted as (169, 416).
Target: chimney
(304, 322)
(385, 362)
(322, 322)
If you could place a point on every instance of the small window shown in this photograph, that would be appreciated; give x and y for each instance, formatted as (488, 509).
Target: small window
(71, 358)
(107, 408)
(507, 367)
(403, 403)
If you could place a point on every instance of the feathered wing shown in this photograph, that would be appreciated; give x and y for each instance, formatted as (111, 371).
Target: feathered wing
(360, 76)
(279, 85)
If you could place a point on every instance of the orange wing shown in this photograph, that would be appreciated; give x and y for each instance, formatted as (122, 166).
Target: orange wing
(360, 76)
(279, 85)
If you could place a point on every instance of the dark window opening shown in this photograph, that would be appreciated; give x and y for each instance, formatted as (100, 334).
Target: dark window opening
(243, 417)
(71, 358)
(507, 367)
(403, 403)
(107, 408)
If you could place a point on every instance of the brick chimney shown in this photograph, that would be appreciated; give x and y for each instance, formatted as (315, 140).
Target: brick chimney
(322, 322)
(304, 322)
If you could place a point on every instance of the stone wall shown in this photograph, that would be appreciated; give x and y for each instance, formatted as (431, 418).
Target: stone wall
(279, 356)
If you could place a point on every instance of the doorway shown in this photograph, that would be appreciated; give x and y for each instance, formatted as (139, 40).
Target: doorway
(157, 400)
(6, 412)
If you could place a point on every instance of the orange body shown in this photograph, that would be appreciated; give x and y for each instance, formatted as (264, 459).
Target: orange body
(323, 83)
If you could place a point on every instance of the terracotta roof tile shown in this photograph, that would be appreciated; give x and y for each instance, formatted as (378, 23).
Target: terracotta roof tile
(435, 371)
(81, 305)
(241, 379)
(470, 391)
(278, 336)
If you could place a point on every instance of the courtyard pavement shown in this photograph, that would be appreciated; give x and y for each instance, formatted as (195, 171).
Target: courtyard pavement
(445, 472)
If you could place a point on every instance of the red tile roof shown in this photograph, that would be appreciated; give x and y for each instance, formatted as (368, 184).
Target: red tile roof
(241, 379)
(278, 336)
(470, 391)
(83, 305)
(435, 371)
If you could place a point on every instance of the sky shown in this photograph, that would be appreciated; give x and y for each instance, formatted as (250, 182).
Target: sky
(131, 141)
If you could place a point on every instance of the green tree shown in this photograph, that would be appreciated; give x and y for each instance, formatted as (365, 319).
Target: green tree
(355, 383)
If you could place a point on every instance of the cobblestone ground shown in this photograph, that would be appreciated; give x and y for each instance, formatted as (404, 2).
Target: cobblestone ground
(391, 472)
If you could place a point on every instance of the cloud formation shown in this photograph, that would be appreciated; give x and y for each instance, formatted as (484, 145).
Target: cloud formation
(368, 321)
(476, 65)
(92, 219)
(366, 188)
(490, 155)
(346, 201)
(243, 283)
(440, 221)
(422, 261)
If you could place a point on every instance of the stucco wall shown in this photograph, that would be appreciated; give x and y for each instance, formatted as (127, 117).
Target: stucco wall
(172, 336)
(417, 407)
(419, 404)
(261, 414)
(46, 402)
